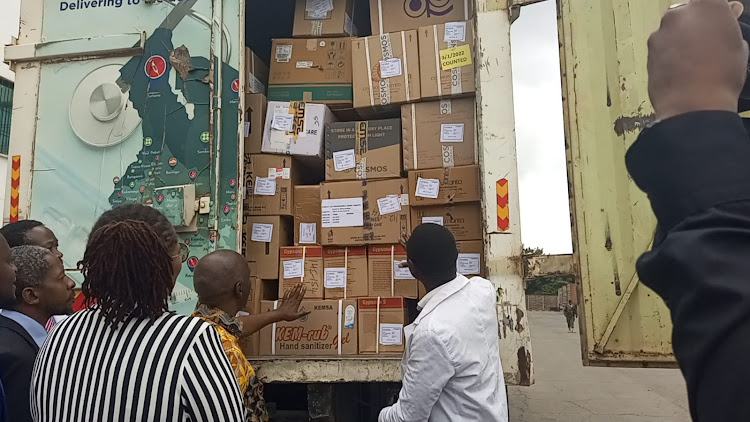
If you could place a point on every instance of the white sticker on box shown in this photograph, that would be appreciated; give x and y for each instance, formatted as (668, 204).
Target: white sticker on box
(313, 5)
(349, 314)
(344, 160)
(265, 186)
(468, 263)
(317, 15)
(308, 233)
(433, 220)
(390, 68)
(262, 232)
(428, 188)
(401, 273)
(306, 64)
(344, 212)
(294, 268)
(455, 31)
(391, 334)
(257, 85)
(283, 53)
(280, 172)
(283, 122)
(389, 205)
(452, 132)
(334, 278)
(247, 129)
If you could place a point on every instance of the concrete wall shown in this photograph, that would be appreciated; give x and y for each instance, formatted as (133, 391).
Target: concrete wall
(541, 302)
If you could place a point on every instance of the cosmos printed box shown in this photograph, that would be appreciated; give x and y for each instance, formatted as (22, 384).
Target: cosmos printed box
(446, 62)
(345, 266)
(262, 236)
(364, 150)
(316, 334)
(400, 15)
(301, 264)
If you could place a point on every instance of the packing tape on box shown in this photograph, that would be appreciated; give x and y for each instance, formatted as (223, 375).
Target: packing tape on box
(304, 252)
(414, 134)
(273, 333)
(316, 28)
(346, 271)
(360, 150)
(380, 15)
(406, 66)
(338, 322)
(384, 84)
(377, 322)
(393, 271)
(437, 62)
(455, 81)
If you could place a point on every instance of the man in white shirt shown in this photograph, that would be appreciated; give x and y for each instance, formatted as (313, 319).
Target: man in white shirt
(451, 365)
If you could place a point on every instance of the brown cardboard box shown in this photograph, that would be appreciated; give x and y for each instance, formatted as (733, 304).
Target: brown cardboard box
(388, 338)
(438, 76)
(312, 70)
(299, 261)
(316, 334)
(362, 212)
(269, 180)
(386, 69)
(262, 236)
(307, 215)
(303, 130)
(324, 23)
(257, 73)
(349, 260)
(365, 150)
(258, 291)
(464, 219)
(470, 258)
(390, 15)
(255, 118)
(439, 134)
(386, 278)
(453, 185)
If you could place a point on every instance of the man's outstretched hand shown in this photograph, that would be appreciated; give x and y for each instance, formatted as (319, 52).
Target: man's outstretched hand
(697, 59)
(289, 307)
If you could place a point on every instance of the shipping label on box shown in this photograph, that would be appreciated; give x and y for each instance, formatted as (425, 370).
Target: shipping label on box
(257, 73)
(439, 134)
(444, 186)
(330, 329)
(386, 277)
(317, 70)
(390, 16)
(463, 219)
(327, 18)
(269, 181)
(306, 215)
(470, 260)
(346, 272)
(381, 325)
(362, 212)
(446, 62)
(262, 236)
(386, 69)
(296, 128)
(254, 120)
(366, 150)
(301, 264)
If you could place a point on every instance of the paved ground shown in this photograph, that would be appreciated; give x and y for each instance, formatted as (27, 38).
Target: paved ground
(565, 391)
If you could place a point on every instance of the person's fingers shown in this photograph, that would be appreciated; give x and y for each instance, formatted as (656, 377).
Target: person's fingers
(403, 264)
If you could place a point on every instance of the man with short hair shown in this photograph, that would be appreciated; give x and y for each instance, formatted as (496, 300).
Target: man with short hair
(41, 290)
(451, 364)
(7, 298)
(222, 282)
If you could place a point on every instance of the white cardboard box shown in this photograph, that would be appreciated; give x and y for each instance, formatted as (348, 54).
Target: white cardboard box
(296, 128)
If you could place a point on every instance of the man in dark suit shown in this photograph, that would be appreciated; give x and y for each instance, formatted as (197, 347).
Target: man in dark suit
(42, 290)
(7, 298)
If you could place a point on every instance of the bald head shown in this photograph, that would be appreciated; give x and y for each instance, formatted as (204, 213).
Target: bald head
(222, 276)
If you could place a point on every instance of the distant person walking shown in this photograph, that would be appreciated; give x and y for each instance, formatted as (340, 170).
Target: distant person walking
(571, 312)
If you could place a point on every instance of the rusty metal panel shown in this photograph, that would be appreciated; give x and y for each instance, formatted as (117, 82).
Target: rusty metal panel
(604, 53)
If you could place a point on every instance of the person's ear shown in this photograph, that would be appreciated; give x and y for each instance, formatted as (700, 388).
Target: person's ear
(737, 8)
(29, 296)
(238, 290)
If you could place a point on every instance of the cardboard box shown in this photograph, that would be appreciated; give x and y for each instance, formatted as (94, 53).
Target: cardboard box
(386, 69)
(255, 119)
(262, 236)
(470, 258)
(251, 345)
(301, 264)
(362, 212)
(386, 278)
(257, 73)
(391, 16)
(446, 68)
(318, 21)
(444, 186)
(439, 134)
(296, 129)
(365, 150)
(388, 338)
(349, 261)
(307, 215)
(316, 334)
(464, 219)
(312, 70)
(269, 182)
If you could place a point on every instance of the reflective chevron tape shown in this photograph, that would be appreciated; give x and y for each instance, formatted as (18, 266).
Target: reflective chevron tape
(503, 214)
(15, 182)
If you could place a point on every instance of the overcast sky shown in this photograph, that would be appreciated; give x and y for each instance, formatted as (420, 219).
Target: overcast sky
(539, 123)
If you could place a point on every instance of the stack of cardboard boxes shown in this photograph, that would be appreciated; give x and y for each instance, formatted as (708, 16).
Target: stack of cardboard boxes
(413, 161)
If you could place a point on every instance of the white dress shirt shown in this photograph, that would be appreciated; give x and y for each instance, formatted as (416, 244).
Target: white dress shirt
(451, 365)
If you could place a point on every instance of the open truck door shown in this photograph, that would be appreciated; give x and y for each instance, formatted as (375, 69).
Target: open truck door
(606, 104)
